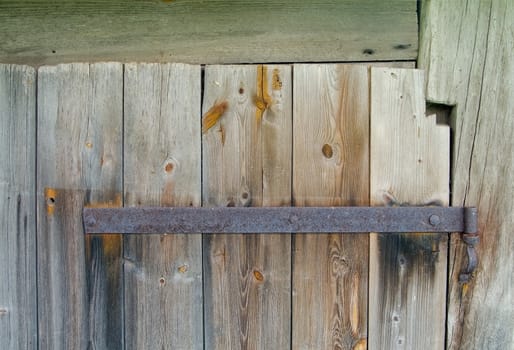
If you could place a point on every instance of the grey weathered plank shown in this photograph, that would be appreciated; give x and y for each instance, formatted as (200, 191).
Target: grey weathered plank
(467, 50)
(330, 168)
(163, 274)
(18, 319)
(42, 32)
(79, 154)
(247, 162)
(409, 165)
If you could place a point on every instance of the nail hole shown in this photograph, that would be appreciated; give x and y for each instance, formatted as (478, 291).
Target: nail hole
(368, 51)
(241, 91)
(162, 281)
(245, 195)
(50, 201)
(169, 167)
(401, 46)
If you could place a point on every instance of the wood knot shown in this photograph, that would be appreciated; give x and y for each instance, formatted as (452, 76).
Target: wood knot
(258, 275)
(245, 199)
(327, 151)
(168, 167)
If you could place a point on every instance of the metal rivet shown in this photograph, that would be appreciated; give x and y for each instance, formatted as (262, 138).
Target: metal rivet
(434, 220)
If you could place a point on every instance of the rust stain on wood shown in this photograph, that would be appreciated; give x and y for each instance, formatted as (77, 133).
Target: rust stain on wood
(213, 115)
(259, 101)
(50, 198)
(111, 243)
(276, 82)
(362, 344)
(263, 99)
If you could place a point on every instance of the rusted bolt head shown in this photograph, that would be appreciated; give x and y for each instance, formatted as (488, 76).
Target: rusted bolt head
(434, 220)
(90, 221)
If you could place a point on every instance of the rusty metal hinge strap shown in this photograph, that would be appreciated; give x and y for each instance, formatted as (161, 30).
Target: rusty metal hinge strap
(159, 220)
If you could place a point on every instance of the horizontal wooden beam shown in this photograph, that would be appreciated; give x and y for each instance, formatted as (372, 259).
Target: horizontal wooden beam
(47, 32)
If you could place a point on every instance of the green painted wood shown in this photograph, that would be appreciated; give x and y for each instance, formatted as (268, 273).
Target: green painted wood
(241, 31)
(18, 319)
(79, 154)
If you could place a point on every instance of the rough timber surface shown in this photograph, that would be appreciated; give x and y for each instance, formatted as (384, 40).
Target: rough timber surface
(79, 163)
(467, 49)
(242, 31)
(162, 150)
(409, 166)
(247, 162)
(330, 168)
(18, 319)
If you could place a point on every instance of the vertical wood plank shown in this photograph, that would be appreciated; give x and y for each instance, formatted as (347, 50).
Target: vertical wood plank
(247, 162)
(79, 162)
(409, 166)
(18, 319)
(467, 50)
(331, 156)
(163, 274)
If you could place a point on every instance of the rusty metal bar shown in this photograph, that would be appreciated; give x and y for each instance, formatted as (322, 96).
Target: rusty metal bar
(159, 220)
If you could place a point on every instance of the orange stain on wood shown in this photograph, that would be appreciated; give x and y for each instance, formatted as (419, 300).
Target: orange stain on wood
(464, 291)
(276, 83)
(50, 197)
(264, 84)
(111, 244)
(213, 115)
(263, 99)
(258, 99)
(362, 344)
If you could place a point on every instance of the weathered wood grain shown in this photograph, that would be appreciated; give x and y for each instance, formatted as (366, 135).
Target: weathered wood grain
(330, 168)
(79, 154)
(43, 32)
(18, 319)
(162, 150)
(247, 162)
(467, 51)
(409, 166)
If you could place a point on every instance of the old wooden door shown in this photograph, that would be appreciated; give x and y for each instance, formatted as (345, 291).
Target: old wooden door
(272, 135)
